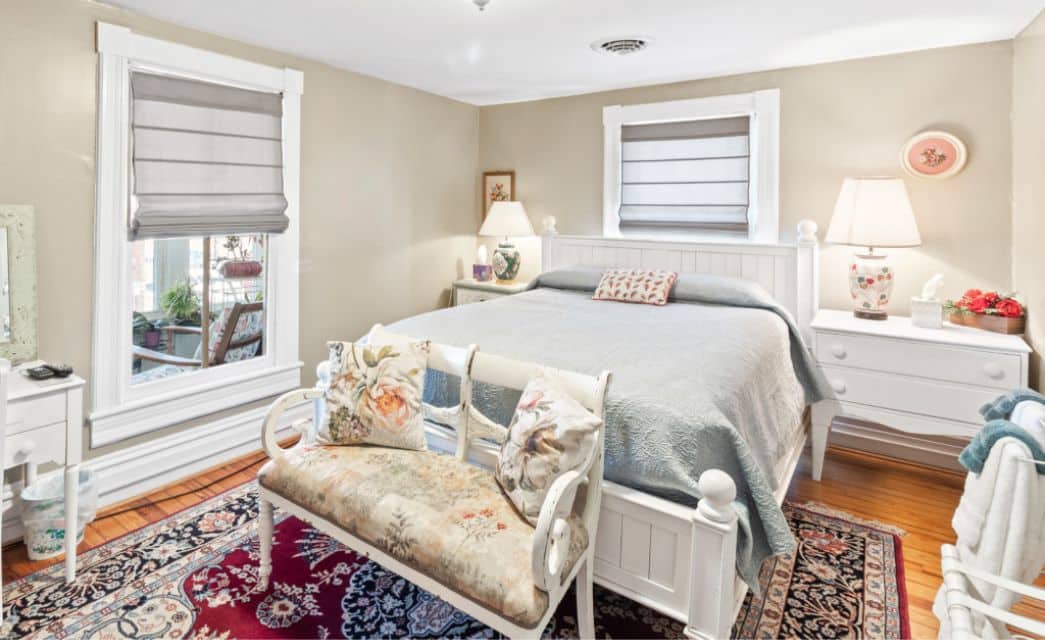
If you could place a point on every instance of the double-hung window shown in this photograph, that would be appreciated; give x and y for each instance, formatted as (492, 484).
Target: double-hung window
(693, 169)
(196, 293)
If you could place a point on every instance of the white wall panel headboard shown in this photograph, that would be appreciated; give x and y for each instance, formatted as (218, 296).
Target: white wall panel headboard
(789, 272)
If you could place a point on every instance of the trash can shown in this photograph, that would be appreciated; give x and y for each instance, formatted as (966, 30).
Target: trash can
(43, 513)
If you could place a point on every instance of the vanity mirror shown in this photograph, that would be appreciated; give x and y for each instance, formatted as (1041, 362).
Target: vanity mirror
(17, 283)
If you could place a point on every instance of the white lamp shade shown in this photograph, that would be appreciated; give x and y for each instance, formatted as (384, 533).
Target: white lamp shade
(506, 219)
(874, 212)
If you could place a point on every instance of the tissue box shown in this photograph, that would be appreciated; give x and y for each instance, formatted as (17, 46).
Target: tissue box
(927, 313)
(482, 272)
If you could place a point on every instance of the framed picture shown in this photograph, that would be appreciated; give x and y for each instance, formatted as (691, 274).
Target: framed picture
(933, 154)
(497, 185)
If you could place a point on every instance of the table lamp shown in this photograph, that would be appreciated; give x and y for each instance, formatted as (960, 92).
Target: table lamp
(873, 213)
(506, 219)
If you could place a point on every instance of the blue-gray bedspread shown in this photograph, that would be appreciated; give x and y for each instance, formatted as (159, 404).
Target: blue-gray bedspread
(716, 379)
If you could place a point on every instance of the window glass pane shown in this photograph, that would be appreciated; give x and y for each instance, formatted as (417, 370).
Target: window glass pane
(198, 303)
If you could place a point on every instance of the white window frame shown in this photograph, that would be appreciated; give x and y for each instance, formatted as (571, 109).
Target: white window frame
(120, 410)
(763, 107)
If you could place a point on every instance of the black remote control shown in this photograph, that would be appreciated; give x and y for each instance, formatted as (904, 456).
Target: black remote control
(39, 373)
(59, 370)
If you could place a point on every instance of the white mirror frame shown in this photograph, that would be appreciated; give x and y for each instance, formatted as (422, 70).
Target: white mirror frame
(17, 220)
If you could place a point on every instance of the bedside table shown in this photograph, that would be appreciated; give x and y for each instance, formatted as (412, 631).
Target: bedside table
(467, 291)
(919, 381)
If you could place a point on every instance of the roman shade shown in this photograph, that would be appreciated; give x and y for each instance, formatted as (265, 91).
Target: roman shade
(690, 175)
(207, 159)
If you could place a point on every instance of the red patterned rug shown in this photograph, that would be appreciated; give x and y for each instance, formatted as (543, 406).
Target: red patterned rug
(193, 575)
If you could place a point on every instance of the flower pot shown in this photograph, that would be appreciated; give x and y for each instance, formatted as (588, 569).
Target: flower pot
(997, 324)
(240, 268)
(152, 338)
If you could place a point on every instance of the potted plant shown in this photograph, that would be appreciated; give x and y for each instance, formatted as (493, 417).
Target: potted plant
(989, 310)
(238, 264)
(147, 331)
(181, 303)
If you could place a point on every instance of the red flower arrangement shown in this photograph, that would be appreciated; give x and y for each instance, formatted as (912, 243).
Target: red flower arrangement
(989, 303)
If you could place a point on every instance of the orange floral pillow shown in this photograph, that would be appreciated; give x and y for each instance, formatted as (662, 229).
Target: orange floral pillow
(643, 286)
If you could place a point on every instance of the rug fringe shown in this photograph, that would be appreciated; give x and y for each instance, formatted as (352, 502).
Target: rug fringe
(823, 509)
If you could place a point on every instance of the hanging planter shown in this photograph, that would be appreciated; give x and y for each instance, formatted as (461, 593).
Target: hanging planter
(240, 268)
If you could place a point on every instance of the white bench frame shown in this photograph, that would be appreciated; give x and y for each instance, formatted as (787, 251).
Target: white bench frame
(575, 491)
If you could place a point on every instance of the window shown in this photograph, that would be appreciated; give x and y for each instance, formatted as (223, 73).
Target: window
(196, 293)
(703, 169)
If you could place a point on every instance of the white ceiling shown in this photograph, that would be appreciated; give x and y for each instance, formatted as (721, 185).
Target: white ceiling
(527, 49)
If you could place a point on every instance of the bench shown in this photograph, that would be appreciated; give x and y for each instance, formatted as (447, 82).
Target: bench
(439, 521)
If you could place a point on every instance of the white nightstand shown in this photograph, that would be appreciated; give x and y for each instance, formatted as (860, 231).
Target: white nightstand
(919, 381)
(467, 291)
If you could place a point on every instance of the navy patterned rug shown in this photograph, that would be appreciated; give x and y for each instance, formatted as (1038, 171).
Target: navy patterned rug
(194, 575)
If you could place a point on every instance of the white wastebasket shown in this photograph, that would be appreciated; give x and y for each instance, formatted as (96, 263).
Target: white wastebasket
(43, 513)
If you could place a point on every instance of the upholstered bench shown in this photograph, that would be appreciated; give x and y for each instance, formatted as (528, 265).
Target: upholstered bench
(439, 521)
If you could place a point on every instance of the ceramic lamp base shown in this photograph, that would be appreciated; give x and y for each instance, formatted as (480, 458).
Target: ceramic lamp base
(870, 285)
(506, 263)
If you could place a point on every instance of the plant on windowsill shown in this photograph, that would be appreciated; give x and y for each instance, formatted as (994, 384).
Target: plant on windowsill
(988, 310)
(181, 303)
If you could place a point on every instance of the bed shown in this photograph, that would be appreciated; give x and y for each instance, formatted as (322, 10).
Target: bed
(689, 508)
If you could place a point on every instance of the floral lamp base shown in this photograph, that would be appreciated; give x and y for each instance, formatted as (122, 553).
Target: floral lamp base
(870, 285)
(506, 262)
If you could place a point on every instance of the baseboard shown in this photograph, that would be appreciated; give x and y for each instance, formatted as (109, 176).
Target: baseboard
(881, 440)
(142, 468)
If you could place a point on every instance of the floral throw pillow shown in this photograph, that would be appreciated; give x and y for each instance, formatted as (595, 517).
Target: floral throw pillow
(375, 395)
(550, 434)
(636, 285)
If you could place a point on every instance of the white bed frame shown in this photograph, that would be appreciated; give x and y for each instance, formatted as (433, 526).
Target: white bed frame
(675, 559)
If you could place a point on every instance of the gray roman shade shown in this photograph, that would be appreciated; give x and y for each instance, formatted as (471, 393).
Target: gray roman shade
(207, 159)
(685, 175)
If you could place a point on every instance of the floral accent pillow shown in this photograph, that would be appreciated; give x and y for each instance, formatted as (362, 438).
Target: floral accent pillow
(375, 395)
(636, 285)
(550, 434)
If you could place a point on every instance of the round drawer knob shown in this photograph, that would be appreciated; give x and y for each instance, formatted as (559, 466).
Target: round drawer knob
(838, 351)
(838, 386)
(25, 449)
(993, 370)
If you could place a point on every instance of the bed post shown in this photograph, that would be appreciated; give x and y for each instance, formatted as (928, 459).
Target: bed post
(713, 574)
(548, 233)
(808, 272)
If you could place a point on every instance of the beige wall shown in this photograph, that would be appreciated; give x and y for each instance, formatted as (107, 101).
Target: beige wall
(388, 179)
(839, 119)
(1028, 184)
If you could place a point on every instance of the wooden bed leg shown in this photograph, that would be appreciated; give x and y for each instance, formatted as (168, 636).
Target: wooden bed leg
(586, 600)
(265, 534)
(712, 585)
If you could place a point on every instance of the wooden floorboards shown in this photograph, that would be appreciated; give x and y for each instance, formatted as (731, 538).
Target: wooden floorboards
(920, 500)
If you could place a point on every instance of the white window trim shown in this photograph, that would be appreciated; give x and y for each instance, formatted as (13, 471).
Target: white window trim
(118, 410)
(763, 107)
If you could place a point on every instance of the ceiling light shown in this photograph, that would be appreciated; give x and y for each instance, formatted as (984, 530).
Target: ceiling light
(621, 46)
(481, 3)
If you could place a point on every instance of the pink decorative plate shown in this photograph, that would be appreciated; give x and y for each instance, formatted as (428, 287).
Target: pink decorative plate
(933, 154)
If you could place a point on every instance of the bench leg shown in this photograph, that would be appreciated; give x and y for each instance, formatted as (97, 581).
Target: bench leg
(265, 533)
(586, 600)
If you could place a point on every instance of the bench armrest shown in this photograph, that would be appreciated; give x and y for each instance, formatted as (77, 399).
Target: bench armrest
(282, 403)
(551, 537)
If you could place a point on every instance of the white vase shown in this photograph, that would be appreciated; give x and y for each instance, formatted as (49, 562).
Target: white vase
(870, 285)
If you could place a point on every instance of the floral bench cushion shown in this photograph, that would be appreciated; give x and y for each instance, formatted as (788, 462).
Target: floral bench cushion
(446, 518)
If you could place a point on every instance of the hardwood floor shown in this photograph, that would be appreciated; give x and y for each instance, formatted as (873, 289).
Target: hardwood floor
(917, 499)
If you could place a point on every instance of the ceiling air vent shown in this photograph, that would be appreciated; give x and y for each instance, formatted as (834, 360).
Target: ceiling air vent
(621, 46)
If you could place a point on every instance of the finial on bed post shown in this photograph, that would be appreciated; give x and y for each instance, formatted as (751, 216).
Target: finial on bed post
(808, 270)
(719, 492)
(548, 233)
(712, 584)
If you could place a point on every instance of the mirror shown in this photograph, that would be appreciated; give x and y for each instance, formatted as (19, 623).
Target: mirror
(17, 283)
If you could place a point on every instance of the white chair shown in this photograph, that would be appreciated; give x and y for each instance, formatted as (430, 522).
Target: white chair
(995, 559)
(509, 575)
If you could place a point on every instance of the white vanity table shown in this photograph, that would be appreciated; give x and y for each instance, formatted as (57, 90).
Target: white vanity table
(44, 424)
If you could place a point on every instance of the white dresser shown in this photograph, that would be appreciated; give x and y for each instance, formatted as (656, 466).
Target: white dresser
(919, 381)
(468, 291)
(45, 424)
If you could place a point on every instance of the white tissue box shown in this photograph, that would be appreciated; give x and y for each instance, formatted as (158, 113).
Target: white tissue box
(927, 313)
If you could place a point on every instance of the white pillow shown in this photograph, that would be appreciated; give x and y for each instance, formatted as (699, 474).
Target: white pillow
(550, 434)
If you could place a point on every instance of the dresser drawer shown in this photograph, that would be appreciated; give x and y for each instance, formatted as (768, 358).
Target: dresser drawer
(469, 296)
(44, 444)
(925, 360)
(23, 415)
(925, 397)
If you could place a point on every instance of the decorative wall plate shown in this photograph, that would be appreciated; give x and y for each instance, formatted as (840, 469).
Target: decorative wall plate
(933, 154)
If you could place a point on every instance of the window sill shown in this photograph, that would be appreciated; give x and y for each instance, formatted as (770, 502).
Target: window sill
(137, 417)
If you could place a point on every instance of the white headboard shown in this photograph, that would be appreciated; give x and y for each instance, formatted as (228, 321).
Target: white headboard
(789, 272)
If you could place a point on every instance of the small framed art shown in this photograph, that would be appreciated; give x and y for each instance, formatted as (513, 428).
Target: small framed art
(497, 185)
(933, 154)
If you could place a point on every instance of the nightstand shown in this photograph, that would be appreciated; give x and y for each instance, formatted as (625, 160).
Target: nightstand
(467, 291)
(918, 381)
